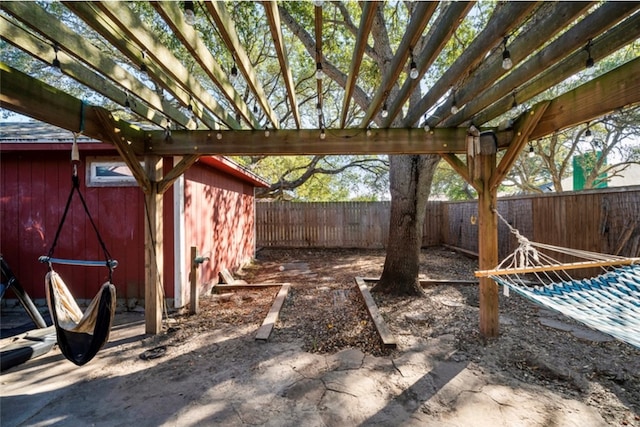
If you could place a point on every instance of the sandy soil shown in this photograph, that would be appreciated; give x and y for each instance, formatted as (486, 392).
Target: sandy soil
(324, 364)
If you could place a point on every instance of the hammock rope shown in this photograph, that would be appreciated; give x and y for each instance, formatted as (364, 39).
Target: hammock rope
(80, 335)
(608, 302)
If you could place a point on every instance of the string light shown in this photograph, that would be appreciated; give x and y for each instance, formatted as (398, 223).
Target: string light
(127, 103)
(219, 135)
(588, 135)
(532, 152)
(413, 68)
(454, 106)
(266, 132)
(189, 13)
(167, 129)
(319, 73)
(590, 62)
(143, 65)
(368, 130)
(384, 113)
(57, 69)
(323, 135)
(507, 63)
(234, 69)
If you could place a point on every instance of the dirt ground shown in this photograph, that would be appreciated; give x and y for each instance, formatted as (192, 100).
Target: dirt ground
(324, 365)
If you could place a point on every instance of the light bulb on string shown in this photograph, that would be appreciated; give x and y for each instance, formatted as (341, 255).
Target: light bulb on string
(319, 72)
(143, 65)
(323, 135)
(588, 135)
(454, 104)
(189, 13)
(531, 152)
(384, 113)
(590, 62)
(127, 103)
(413, 69)
(507, 63)
(57, 69)
(234, 70)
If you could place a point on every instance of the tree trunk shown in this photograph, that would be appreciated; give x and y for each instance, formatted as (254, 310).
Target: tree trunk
(410, 184)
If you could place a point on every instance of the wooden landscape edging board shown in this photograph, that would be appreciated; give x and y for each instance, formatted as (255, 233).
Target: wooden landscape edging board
(387, 338)
(236, 286)
(425, 282)
(270, 321)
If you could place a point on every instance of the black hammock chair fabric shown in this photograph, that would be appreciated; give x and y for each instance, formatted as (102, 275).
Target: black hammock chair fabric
(80, 335)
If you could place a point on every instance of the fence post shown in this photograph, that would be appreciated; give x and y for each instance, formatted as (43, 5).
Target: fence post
(193, 278)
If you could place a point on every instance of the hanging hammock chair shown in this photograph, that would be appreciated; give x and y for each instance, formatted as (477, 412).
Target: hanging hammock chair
(608, 301)
(80, 335)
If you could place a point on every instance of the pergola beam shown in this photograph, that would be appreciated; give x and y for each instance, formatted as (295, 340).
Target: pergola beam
(614, 90)
(227, 31)
(28, 96)
(366, 21)
(522, 131)
(308, 141)
(273, 17)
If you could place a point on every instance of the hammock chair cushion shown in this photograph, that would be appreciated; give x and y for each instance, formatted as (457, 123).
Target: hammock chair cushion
(80, 335)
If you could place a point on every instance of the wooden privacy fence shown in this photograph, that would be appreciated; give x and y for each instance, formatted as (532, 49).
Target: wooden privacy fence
(606, 221)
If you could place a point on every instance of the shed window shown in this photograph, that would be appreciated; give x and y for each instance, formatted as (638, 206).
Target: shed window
(109, 172)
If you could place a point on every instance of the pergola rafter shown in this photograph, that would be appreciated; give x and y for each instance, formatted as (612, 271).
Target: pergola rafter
(271, 10)
(366, 21)
(196, 47)
(226, 28)
(574, 39)
(422, 12)
(501, 23)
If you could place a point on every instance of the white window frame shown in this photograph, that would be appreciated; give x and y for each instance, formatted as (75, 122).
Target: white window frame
(93, 179)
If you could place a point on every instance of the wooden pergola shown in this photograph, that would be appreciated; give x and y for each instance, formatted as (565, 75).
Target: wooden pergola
(547, 43)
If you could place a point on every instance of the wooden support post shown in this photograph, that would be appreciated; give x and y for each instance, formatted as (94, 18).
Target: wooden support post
(193, 277)
(487, 245)
(153, 239)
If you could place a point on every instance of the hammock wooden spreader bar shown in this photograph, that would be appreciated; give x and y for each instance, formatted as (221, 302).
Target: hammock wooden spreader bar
(112, 263)
(557, 267)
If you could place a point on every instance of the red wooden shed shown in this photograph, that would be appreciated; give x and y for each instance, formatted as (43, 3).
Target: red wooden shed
(210, 207)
